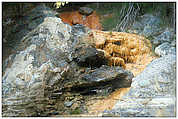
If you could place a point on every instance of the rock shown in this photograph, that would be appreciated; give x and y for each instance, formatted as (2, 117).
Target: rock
(84, 51)
(31, 18)
(173, 43)
(106, 73)
(165, 49)
(88, 56)
(33, 73)
(149, 19)
(85, 10)
(105, 77)
(147, 25)
(75, 106)
(152, 93)
(137, 27)
(68, 103)
(150, 26)
(79, 30)
(99, 41)
(166, 36)
(49, 62)
(150, 30)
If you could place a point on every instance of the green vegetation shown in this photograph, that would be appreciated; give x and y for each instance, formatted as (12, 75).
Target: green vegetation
(60, 4)
(112, 9)
(109, 23)
(117, 11)
(164, 10)
(110, 33)
(76, 111)
(16, 9)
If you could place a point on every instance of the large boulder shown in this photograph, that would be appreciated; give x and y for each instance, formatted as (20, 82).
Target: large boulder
(85, 10)
(152, 93)
(45, 64)
(40, 64)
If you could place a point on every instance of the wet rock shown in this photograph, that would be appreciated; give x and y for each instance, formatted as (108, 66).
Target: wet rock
(152, 93)
(68, 103)
(165, 49)
(85, 10)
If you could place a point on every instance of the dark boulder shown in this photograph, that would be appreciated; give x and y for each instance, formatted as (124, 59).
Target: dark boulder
(105, 77)
(88, 56)
(85, 10)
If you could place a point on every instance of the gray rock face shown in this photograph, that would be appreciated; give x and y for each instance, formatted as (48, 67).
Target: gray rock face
(150, 20)
(152, 93)
(28, 22)
(39, 64)
(106, 73)
(161, 38)
(24, 81)
(165, 49)
(147, 25)
(85, 10)
(150, 30)
(166, 36)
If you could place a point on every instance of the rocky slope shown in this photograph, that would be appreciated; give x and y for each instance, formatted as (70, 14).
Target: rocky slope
(59, 70)
(54, 69)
